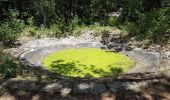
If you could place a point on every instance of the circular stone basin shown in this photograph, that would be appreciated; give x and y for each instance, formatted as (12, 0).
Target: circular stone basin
(87, 63)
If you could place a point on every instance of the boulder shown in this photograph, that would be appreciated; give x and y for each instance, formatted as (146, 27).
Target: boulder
(62, 87)
(167, 55)
(89, 87)
(22, 84)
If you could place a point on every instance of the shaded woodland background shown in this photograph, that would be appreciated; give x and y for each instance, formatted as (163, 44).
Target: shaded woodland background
(144, 18)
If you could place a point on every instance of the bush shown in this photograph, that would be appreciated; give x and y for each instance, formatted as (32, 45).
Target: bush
(147, 19)
(98, 30)
(10, 29)
(9, 67)
(151, 25)
(56, 31)
(112, 21)
(42, 31)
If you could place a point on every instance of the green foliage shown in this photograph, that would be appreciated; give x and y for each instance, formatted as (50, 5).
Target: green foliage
(9, 67)
(48, 12)
(39, 32)
(10, 29)
(34, 32)
(44, 12)
(98, 30)
(56, 31)
(147, 20)
(87, 62)
(62, 17)
(30, 22)
(112, 21)
(151, 25)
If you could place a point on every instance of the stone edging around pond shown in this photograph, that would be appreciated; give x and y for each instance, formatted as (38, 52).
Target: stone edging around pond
(33, 52)
(146, 61)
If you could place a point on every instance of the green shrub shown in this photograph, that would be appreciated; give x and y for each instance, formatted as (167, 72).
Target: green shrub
(30, 21)
(9, 67)
(10, 29)
(147, 19)
(32, 31)
(112, 21)
(98, 30)
(152, 25)
(56, 31)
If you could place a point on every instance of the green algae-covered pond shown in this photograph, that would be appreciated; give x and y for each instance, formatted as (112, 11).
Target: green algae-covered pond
(87, 63)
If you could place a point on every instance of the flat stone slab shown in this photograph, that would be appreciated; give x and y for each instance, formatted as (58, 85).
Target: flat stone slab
(23, 84)
(116, 87)
(145, 61)
(124, 86)
(89, 87)
(62, 87)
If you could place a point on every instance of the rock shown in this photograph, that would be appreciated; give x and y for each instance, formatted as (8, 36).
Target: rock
(62, 87)
(117, 87)
(89, 87)
(15, 52)
(88, 35)
(138, 49)
(167, 55)
(22, 84)
(118, 48)
(103, 47)
(107, 38)
(115, 47)
(129, 47)
(110, 45)
(120, 87)
(150, 50)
